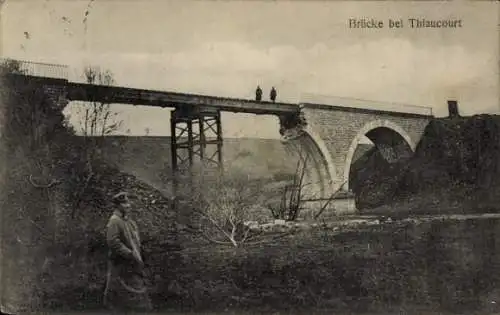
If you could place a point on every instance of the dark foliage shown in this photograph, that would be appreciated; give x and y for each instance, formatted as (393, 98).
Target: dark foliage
(459, 151)
(374, 180)
(457, 159)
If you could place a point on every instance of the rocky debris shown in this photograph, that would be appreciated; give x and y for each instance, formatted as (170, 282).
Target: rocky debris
(282, 226)
(292, 134)
(357, 222)
(152, 211)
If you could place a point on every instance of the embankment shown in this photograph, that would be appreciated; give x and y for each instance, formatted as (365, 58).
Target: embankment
(456, 166)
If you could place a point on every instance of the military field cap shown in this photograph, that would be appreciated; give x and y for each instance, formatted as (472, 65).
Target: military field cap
(120, 198)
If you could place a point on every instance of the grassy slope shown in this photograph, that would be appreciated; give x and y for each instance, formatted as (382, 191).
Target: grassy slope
(149, 158)
(397, 266)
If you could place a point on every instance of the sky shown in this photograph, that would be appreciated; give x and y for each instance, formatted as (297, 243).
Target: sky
(227, 48)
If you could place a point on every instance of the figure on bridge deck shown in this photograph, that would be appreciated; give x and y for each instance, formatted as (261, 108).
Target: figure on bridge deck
(273, 94)
(258, 94)
(125, 283)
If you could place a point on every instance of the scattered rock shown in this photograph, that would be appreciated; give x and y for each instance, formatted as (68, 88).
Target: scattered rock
(279, 222)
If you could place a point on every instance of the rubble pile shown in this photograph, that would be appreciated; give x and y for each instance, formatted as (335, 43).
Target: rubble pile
(157, 220)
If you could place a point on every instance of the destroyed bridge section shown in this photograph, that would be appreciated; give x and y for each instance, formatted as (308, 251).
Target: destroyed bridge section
(327, 128)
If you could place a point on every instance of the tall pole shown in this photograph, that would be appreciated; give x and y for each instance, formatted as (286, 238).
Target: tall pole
(202, 137)
(190, 142)
(173, 153)
(173, 142)
(219, 141)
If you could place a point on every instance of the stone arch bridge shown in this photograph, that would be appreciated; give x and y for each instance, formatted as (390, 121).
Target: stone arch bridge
(325, 129)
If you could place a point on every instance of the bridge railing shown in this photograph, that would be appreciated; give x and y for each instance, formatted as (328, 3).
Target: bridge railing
(49, 70)
(364, 104)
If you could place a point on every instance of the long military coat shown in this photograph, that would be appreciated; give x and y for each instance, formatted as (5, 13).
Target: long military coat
(125, 284)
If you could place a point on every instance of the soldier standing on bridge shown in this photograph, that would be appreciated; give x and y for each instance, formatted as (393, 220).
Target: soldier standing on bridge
(258, 94)
(273, 94)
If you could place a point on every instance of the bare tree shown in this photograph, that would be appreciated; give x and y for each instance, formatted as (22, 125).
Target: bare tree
(97, 118)
(96, 121)
(293, 196)
(328, 201)
(221, 209)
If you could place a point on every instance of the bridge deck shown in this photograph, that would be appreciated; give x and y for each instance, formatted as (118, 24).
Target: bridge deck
(353, 104)
(122, 95)
(133, 96)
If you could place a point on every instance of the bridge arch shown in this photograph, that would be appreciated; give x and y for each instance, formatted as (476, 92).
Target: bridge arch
(380, 132)
(320, 169)
(325, 153)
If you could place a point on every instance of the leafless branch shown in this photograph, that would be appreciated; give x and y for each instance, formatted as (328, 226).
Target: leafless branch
(53, 182)
(208, 238)
(267, 240)
(23, 215)
(291, 198)
(328, 201)
(218, 227)
(245, 236)
(105, 121)
(253, 236)
(80, 193)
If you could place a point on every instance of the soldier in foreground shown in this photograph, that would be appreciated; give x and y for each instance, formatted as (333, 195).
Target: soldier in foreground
(125, 286)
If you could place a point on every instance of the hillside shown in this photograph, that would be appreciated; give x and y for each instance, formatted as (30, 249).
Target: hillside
(149, 158)
(456, 167)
